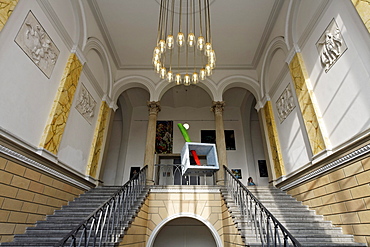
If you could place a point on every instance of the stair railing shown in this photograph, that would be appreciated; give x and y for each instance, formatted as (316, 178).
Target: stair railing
(266, 228)
(107, 222)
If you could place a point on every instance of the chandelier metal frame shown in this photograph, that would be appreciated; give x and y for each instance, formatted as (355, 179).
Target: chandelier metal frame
(189, 57)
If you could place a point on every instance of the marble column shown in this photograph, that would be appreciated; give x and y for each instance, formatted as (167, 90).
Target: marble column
(6, 9)
(363, 9)
(273, 138)
(58, 116)
(98, 143)
(154, 108)
(308, 105)
(218, 108)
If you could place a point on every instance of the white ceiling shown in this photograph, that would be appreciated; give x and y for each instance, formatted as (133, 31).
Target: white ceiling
(240, 29)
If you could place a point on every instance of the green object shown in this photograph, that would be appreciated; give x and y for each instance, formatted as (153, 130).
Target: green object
(184, 132)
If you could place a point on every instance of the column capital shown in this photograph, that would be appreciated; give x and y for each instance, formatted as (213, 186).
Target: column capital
(154, 107)
(218, 107)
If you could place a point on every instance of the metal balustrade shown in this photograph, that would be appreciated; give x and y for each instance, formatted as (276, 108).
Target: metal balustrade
(107, 223)
(171, 174)
(266, 228)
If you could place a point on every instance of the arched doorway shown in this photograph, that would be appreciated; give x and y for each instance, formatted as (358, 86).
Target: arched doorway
(184, 230)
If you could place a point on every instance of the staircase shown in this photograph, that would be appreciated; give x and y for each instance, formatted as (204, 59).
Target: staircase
(60, 224)
(309, 229)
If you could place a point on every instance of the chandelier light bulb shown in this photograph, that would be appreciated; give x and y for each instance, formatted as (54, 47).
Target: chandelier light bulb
(163, 72)
(169, 76)
(187, 80)
(162, 45)
(200, 43)
(212, 56)
(180, 39)
(208, 70)
(156, 58)
(191, 39)
(195, 78)
(170, 41)
(178, 79)
(202, 74)
(156, 51)
(207, 49)
(158, 67)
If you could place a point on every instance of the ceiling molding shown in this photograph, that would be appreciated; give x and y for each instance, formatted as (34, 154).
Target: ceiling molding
(321, 9)
(57, 24)
(104, 30)
(274, 14)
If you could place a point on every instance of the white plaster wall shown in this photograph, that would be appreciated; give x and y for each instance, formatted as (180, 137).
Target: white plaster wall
(343, 92)
(26, 94)
(78, 134)
(291, 132)
(114, 145)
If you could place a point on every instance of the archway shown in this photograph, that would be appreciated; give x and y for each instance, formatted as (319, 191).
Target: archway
(185, 230)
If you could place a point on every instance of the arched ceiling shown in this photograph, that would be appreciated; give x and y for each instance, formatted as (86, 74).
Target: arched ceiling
(239, 30)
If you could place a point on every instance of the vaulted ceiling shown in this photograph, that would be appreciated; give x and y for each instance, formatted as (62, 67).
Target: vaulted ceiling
(240, 29)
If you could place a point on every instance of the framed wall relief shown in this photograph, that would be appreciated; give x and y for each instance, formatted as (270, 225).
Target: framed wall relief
(285, 104)
(36, 43)
(85, 104)
(331, 45)
(164, 137)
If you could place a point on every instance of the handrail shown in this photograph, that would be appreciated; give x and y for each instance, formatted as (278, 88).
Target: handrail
(107, 222)
(258, 217)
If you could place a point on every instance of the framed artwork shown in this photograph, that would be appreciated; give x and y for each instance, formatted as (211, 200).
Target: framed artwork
(263, 168)
(164, 137)
(237, 173)
(209, 136)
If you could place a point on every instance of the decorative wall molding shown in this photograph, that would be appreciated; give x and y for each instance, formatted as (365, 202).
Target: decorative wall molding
(85, 104)
(285, 104)
(331, 45)
(332, 165)
(36, 43)
(39, 166)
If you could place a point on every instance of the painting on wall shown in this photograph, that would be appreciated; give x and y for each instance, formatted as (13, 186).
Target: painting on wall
(36, 43)
(237, 173)
(164, 137)
(209, 136)
(263, 168)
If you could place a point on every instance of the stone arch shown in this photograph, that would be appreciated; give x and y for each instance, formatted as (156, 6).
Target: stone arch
(211, 228)
(241, 81)
(98, 47)
(207, 85)
(80, 19)
(276, 44)
(128, 82)
(290, 22)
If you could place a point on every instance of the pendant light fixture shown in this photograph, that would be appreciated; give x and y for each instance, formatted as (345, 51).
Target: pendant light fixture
(183, 53)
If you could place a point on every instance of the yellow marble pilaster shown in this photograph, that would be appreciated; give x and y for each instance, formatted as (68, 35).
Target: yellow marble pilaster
(363, 9)
(306, 101)
(98, 140)
(62, 104)
(274, 140)
(6, 9)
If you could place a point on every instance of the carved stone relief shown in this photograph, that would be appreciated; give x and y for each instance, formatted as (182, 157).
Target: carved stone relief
(85, 104)
(331, 45)
(37, 44)
(285, 104)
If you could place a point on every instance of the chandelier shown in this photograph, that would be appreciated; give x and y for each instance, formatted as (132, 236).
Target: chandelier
(184, 53)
